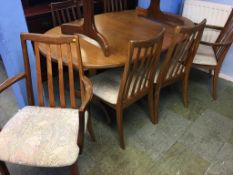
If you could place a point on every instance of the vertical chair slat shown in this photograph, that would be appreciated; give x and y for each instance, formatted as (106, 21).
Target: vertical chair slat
(61, 77)
(38, 75)
(30, 95)
(58, 17)
(138, 74)
(71, 76)
(67, 10)
(63, 16)
(73, 13)
(80, 65)
(146, 68)
(50, 76)
(131, 72)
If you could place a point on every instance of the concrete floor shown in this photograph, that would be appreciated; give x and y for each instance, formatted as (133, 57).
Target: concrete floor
(193, 141)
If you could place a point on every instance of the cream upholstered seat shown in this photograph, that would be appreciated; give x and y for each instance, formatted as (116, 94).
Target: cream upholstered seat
(106, 85)
(41, 136)
(205, 56)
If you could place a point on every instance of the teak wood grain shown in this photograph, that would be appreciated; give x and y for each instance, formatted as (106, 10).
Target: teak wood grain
(119, 28)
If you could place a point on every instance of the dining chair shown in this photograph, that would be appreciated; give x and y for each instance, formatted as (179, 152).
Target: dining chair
(114, 5)
(47, 135)
(65, 11)
(177, 62)
(210, 56)
(119, 88)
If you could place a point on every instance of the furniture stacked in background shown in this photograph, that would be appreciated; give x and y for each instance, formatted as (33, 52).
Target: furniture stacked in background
(115, 5)
(67, 11)
(39, 18)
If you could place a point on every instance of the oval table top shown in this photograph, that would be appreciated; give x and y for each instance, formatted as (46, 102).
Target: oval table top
(118, 28)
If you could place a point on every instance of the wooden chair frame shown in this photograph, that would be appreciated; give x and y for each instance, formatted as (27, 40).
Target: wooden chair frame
(177, 62)
(115, 5)
(137, 78)
(64, 12)
(220, 47)
(85, 84)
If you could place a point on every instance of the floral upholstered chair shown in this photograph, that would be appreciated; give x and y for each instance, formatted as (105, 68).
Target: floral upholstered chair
(49, 136)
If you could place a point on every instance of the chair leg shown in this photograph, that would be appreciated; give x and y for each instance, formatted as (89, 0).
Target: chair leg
(210, 73)
(101, 106)
(215, 84)
(156, 103)
(120, 128)
(74, 169)
(151, 105)
(185, 90)
(90, 128)
(3, 169)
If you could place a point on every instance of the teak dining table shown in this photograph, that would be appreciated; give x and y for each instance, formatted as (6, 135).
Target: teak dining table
(118, 28)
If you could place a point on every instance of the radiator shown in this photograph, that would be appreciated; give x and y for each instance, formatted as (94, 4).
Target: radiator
(215, 13)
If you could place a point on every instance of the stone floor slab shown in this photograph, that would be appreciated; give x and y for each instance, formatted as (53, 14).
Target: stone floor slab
(179, 160)
(223, 164)
(208, 134)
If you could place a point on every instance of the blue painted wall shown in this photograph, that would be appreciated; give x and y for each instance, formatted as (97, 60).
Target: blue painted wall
(12, 23)
(174, 7)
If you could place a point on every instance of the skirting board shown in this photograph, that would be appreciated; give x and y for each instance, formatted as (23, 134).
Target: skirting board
(226, 77)
(221, 75)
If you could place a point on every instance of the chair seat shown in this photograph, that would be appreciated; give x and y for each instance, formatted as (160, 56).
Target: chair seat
(106, 85)
(205, 56)
(40, 136)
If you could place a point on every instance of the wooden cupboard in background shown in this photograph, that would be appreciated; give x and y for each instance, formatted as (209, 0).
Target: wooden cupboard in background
(38, 16)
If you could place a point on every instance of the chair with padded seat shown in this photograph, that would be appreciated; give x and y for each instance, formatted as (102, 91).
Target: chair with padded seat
(119, 88)
(115, 5)
(65, 11)
(52, 135)
(210, 56)
(177, 62)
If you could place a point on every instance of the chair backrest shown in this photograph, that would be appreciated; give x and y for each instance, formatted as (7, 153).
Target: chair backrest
(180, 55)
(225, 36)
(63, 12)
(115, 5)
(140, 68)
(60, 44)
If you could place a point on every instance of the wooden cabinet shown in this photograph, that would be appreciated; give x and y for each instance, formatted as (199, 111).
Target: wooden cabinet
(38, 16)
